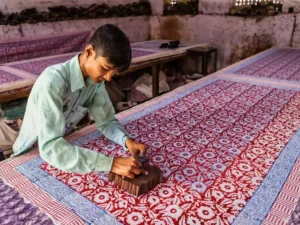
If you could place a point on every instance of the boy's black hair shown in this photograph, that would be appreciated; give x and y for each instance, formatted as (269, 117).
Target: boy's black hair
(112, 43)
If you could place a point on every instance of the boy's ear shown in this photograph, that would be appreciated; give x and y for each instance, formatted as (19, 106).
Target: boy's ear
(89, 49)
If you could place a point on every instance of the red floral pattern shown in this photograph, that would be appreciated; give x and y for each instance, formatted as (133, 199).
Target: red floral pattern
(214, 146)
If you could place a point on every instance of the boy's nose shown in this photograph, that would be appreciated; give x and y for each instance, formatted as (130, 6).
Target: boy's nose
(109, 75)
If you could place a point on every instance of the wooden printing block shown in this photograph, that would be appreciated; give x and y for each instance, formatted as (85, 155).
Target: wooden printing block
(140, 184)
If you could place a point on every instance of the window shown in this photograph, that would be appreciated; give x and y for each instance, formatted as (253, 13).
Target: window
(255, 2)
(173, 2)
(180, 7)
(256, 7)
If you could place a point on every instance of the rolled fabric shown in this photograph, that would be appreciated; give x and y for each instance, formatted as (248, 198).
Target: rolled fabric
(2, 157)
(8, 152)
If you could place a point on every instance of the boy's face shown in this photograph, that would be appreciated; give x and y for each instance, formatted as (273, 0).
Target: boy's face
(97, 68)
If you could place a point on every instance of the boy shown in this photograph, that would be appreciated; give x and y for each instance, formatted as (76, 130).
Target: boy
(61, 97)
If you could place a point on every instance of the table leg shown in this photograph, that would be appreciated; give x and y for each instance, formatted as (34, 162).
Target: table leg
(197, 64)
(216, 58)
(155, 80)
(204, 65)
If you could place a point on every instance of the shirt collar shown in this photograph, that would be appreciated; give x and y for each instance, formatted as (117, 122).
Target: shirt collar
(77, 80)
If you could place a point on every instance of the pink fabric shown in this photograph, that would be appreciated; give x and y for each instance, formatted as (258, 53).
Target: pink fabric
(136, 96)
(24, 49)
(37, 67)
(283, 64)
(126, 82)
(6, 77)
(139, 53)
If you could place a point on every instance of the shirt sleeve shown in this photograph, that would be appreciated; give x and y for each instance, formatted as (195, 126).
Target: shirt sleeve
(104, 114)
(54, 149)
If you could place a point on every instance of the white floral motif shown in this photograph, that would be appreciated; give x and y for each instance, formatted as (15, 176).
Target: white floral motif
(123, 204)
(175, 132)
(247, 137)
(238, 204)
(158, 158)
(203, 140)
(217, 194)
(235, 151)
(135, 218)
(269, 138)
(200, 160)
(170, 148)
(92, 185)
(205, 212)
(157, 144)
(193, 221)
(219, 166)
(195, 133)
(189, 171)
(153, 200)
(224, 141)
(245, 167)
(173, 211)
(237, 173)
(209, 155)
(258, 151)
(227, 187)
(166, 172)
(217, 145)
(199, 186)
(210, 176)
(185, 155)
(269, 162)
(179, 177)
(153, 135)
(74, 180)
(165, 192)
(256, 180)
(189, 198)
(101, 197)
(178, 144)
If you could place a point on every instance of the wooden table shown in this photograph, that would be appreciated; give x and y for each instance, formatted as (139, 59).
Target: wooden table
(145, 54)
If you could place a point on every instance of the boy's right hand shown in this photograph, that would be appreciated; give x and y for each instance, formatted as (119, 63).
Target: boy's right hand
(128, 167)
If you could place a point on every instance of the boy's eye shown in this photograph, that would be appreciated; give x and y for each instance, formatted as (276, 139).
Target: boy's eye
(104, 68)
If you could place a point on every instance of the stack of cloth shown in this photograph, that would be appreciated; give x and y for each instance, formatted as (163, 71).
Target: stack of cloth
(11, 115)
(144, 84)
(8, 135)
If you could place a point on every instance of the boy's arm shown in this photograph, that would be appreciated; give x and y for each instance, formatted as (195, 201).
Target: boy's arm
(104, 114)
(54, 149)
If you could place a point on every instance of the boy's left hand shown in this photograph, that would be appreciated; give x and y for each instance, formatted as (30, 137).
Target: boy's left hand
(136, 149)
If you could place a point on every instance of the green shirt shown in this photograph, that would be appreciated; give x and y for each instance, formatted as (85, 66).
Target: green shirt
(58, 101)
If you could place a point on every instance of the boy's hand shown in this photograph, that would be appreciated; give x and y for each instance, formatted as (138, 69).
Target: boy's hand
(136, 149)
(128, 167)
